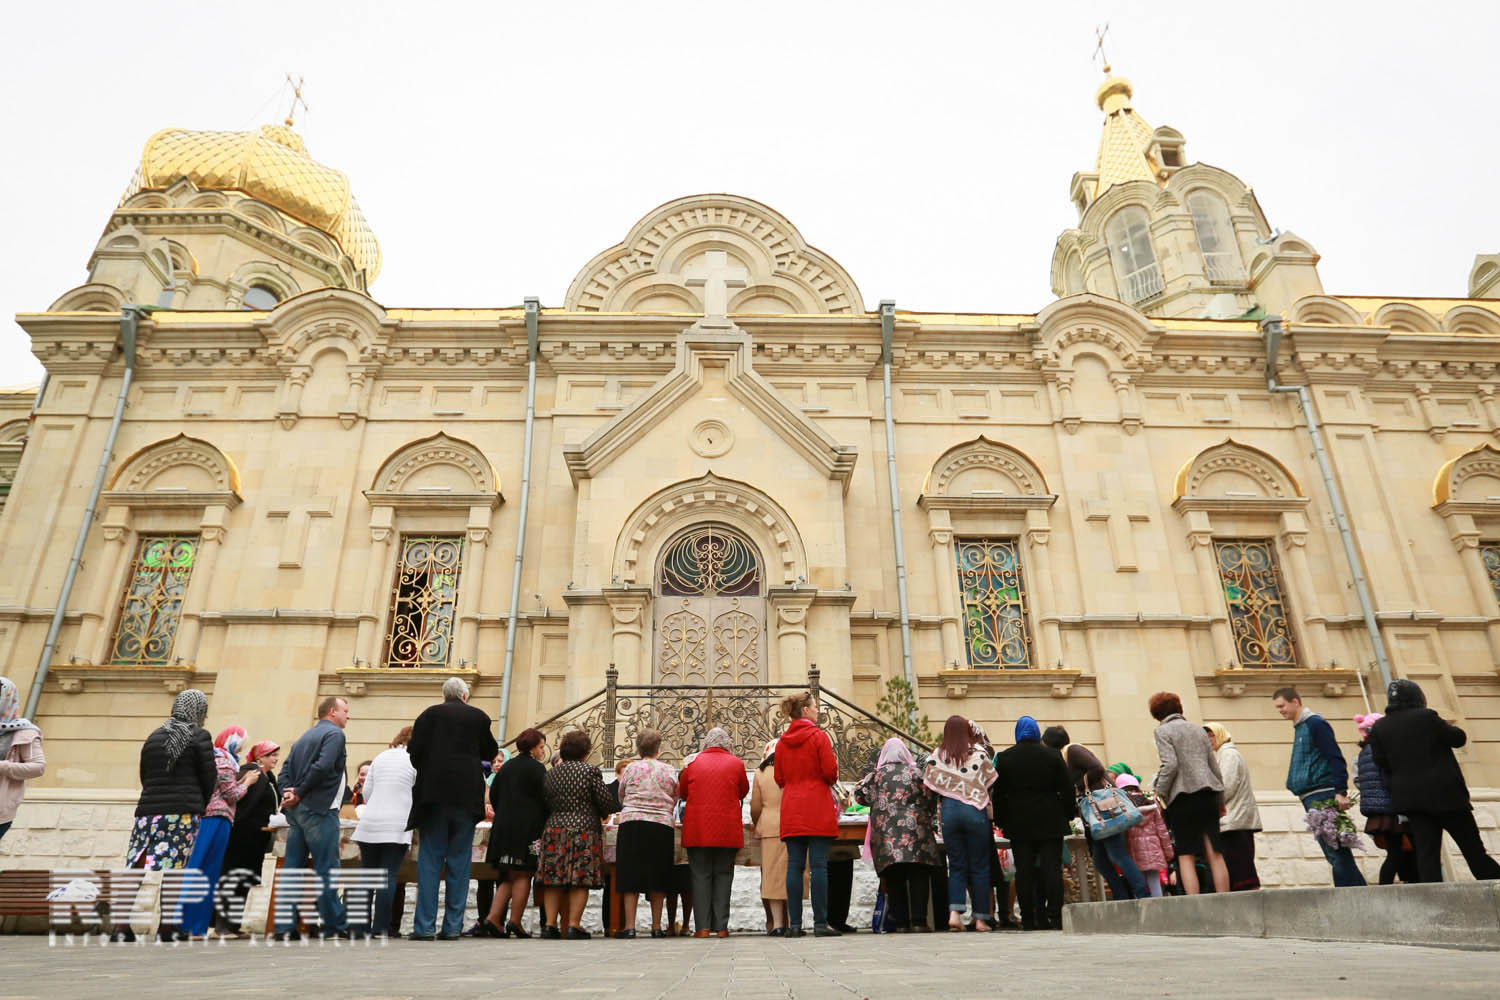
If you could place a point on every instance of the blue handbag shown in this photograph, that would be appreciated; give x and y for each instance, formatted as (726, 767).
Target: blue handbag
(1106, 812)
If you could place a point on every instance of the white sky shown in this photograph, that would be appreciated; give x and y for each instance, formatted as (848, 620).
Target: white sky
(497, 147)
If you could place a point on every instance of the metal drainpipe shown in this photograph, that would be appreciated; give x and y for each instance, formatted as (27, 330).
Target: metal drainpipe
(1273, 329)
(533, 310)
(887, 334)
(129, 319)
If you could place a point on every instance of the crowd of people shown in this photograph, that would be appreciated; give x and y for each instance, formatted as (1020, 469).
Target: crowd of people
(933, 828)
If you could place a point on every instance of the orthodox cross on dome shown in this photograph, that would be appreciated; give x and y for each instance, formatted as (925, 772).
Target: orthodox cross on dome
(716, 276)
(296, 99)
(1119, 516)
(1099, 34)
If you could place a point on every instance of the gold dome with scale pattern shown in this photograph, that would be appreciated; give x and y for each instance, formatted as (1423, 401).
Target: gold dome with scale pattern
(271, 165)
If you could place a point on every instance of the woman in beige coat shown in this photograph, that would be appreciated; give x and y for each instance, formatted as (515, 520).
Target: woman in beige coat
(1241, 819)
(765, 813)
(21, 757)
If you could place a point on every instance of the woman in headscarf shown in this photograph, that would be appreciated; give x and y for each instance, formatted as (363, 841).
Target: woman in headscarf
(903, 832)
(713, 830)
(1033, 801)
(249, 842)
(178, 774)
(961, 772)
(213, 832)
(21, 757)
(1414, 746)
(519, 799)
(1385, 826)
(1241, 820)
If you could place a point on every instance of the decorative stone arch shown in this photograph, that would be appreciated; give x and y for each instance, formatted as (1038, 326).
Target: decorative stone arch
(1466, 495)
(1236, 194)
(661, 246)
(181, 485)
(1122, 337)
(93, 297)
(1256, 474)
(13, 432)
(257, 272)
(1473, 320)
(1404, 317)
(304, 326)
(1232, 490)
(987, 488)
(435, 485)
(710, 498)
(318, 241)
(451, 464)
(150, 200)
(262, 214)
(208, 199)
(1322, 308)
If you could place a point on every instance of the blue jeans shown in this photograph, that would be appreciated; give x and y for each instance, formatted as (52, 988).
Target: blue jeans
(208, 858)
(315, 836)
(388, 857)
(1114, 852)
(801, 851)
(1340, 859)
(447, 840)
(970, 843)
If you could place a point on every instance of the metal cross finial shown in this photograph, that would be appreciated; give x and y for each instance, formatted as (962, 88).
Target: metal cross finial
(296, 99)
(1099, 34)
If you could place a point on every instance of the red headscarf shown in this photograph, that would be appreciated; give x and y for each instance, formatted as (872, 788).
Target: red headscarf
(261, 749)
(229, 740)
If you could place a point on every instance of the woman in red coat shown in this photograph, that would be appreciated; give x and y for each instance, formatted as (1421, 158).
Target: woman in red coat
(713, 786)
(806, 771)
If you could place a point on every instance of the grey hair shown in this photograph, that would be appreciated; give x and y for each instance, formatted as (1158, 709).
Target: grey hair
(454, 689)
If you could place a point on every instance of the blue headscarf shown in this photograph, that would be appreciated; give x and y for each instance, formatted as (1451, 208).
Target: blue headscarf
(1027, 730)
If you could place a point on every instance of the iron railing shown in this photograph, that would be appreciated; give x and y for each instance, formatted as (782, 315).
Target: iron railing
(749, 713)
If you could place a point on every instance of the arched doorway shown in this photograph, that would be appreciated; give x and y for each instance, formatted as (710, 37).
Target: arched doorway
(710, 612)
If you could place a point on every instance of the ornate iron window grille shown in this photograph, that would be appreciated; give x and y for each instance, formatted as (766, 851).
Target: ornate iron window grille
(1251, 576)
(992, 590)
(152, 606)
(711, 561)
(424, 601)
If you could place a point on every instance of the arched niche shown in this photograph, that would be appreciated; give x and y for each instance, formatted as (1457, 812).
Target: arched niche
(982, 467)
(709, 498)
(1231, 471)
(435, 466)
(1403, 317)
(1323, 309)
(175, 465)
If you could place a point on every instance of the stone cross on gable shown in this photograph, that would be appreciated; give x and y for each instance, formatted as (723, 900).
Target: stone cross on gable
(716, 277)
(1118, 514)
(295, 510)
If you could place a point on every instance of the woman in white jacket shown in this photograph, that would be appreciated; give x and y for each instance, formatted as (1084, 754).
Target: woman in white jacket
(381, 833)
(1241, 820)
(21, 757)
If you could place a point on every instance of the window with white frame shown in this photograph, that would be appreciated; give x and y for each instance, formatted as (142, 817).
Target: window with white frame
(1129, 238)
(1221, 255)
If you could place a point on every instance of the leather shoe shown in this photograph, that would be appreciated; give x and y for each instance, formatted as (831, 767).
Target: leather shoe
(624, 935)
(513, 929)
(414, 936)
(776, 932)
(551, 933)
(659, 934)
(578, 934)
(488, 930)
(794, 932)
(827, 932)
(700, 934)
(844, 928)
(723, 934)
(449, 937)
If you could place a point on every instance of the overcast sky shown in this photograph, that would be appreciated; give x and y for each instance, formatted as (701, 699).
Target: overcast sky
(496, 147)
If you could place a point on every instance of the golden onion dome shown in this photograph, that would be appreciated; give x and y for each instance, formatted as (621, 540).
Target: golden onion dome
(270, 165)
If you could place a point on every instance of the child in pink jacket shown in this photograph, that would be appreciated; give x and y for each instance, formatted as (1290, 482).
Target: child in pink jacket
(1150, 844)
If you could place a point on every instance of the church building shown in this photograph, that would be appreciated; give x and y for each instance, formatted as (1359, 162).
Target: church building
(715, 462)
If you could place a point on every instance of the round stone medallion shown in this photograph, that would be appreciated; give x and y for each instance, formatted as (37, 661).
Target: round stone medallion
(711, 438)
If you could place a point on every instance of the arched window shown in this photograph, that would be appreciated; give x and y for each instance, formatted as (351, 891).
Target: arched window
(1221, 257)
(1073, 275)
(259, 298)
(1130, 249)
(711, 562)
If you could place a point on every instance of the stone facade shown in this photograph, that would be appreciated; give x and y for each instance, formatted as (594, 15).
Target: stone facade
(715, 370)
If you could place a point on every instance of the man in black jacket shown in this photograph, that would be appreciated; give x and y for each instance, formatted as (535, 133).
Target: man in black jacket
(312, 784)
(448, 743)
(1414, 746)
(1033, 800)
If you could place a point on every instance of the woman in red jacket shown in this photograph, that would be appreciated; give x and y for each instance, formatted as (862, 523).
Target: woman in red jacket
(806, 771)
(713, 830)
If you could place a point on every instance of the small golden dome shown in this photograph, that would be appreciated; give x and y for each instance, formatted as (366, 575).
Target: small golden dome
(1113, 94)
(271, 165)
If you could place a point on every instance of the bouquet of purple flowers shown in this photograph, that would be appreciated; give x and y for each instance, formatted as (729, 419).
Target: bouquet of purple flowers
(1332, 826)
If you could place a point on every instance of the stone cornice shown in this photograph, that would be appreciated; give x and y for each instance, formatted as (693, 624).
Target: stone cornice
(1331, 682)
(963, 683)
(75, 678)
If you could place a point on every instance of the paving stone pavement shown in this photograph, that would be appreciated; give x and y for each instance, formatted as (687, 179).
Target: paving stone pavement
(749, 967)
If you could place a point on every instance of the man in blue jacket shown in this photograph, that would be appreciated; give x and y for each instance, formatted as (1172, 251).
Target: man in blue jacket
(312, 784)
(1317, 773)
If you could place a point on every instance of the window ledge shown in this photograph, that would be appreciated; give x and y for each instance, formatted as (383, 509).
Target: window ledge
(1331, 682)
(399, 680)
(119, 678)
(960, 683)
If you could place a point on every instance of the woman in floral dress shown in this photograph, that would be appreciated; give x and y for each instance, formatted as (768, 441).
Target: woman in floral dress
(903, 832)
(571, 857)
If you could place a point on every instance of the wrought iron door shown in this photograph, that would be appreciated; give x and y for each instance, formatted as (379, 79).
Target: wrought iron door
(710, 610)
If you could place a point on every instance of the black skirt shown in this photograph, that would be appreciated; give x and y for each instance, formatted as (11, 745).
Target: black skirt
(1193, 816)
(643, 857)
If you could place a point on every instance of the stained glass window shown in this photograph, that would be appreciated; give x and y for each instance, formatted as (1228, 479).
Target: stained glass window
(993, 592)
(1490, 553)
(424, 601)
(1258, 618)
(710, 562)
(152, 606)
